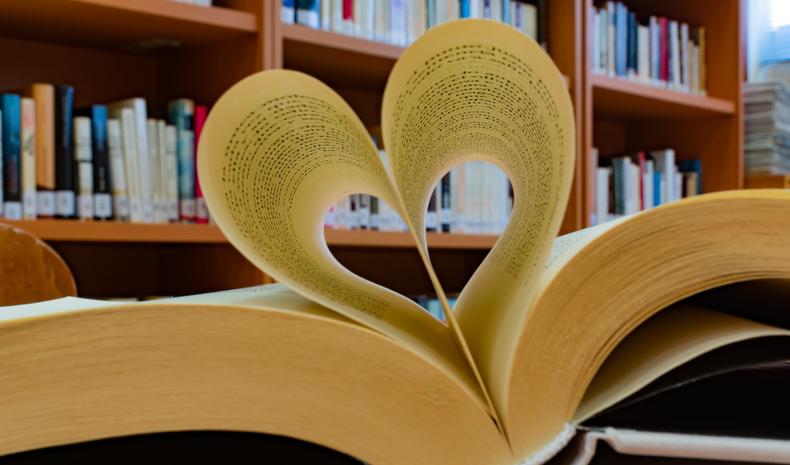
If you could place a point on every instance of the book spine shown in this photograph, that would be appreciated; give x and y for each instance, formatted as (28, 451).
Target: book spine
(610, 38)
(65, 196)
(287, 11)
(10, 105)
(120, 198)
(702, 65)
(157, 186)
(102, 182)
(83, 166)
(201, 209)
(181, 115)
(28, 168)
(674, 54)
(619, 186)
(308, 13)
(664, 50)
(398, 22)
(129, 145)
(172, 176)
(632, 45)
(644, 54)
(44, 96)
(621, 46)
(446, 214)
(348, 16)
(326, 15)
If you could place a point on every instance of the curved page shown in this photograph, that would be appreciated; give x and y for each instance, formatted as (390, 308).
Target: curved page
(480, 90)
(277, 150)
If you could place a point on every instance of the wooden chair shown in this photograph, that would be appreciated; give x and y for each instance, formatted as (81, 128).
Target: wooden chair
(30, 271)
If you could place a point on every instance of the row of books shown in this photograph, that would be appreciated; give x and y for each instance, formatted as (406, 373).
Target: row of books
(629, 184)
(474, 198)
(662, 52)
(99, 162)
(400, 22)
(766, 127)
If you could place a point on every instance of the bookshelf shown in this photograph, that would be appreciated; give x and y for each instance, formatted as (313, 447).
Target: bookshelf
(623, 116)
(114, 49)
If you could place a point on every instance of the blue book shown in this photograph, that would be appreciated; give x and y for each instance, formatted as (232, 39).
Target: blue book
(181, 112)
(695, 166)
(506, 11)
(621, 40)
(430, 13)
(102, 189)
(308, 13)
(287, 11)
(657, 188)
(11, 107)
(618, 175)
(464, 9)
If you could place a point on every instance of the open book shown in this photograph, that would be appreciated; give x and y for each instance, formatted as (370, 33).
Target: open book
(547, 335)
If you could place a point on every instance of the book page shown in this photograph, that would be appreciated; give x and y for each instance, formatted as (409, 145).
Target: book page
(278, 149)
(663, 343)
(478, 90)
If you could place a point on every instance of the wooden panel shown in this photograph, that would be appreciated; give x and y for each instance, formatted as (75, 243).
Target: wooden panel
(616, 97)
(103, 269)
(121, 24)
(98, 76)
(777, 181)
(338, 60)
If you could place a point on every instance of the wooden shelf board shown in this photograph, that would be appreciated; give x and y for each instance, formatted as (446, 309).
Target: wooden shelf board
(618, 97)
(338, 59)
(112, 231)
(768, 181)
(121, 24)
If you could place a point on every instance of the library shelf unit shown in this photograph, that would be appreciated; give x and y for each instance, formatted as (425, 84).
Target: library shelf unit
(622, 116)
(161, 49)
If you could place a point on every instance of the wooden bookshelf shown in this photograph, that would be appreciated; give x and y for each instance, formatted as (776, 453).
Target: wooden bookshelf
(622, 116)
(160, 49)
(768, 181)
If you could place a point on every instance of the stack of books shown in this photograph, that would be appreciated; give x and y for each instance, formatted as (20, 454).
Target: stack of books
(475, 198)
(629, 184)
(100, 162)
(661, 52)
(767, 127)
(401, 22)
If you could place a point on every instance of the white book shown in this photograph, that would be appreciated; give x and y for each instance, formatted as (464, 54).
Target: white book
(643, 55)
(326, 15)
(120, 196)
(143, 165)
(632, 204)
(364, 15)
(595, 51)
(157, 191)
(308, 17)
(398, 22)
(27, 140)
(381, 21)
(655, 49)
(665, 164)
(131, 162)
(530, 20)
(336, 15)
(603, 176)
(677, 185)
(417, 15)
(675, 56)
(610, 38)
(647, 184)
(83, 158)
(171, 172)
(457, 188)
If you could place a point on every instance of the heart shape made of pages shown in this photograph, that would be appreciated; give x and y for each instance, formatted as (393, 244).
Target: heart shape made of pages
(280, 147)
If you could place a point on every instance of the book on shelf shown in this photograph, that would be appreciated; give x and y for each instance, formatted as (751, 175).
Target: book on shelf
(401, 22)
(102, 161)
(521, 365)
(625, 185)
(661, 52)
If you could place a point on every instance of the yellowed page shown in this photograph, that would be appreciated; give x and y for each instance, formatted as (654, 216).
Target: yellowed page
(277, 150)
(668, 340)
(480, 90)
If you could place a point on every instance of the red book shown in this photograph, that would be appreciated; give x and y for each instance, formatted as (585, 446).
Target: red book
(640, 160)
(664, 52)
(348, 10)
(201, 210)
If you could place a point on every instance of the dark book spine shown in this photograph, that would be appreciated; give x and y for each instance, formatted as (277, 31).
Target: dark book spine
(543, 24)
(102, 189)
(10, 105)
(446, 213)
(633, 44)
(664, 49)
(65, 201)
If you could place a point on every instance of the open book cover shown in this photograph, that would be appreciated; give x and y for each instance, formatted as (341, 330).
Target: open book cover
(659, 334)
